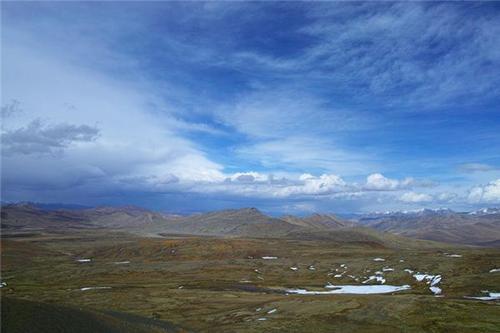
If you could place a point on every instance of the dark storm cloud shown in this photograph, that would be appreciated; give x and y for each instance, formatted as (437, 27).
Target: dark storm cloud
(37, 138)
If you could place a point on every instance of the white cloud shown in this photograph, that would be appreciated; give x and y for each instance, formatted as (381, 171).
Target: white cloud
(378, 182)
(253, 184)
(412, 197)
(488, 193)
(447, 197)
(324, 184)
(100, 127)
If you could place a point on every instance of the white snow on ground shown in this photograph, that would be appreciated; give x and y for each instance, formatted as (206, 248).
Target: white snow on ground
(294, 268)
(409, 271)
(343, 266)
(435, 290)
(258, 309)
(433, 280)
(93, 288)
(311, 268)
(262, 319)
(388, 269)
(245, 281)
(401, 260)
(379, 259)
(121, 262)
(491, 297)
(420, 277)
(3, 284)
(271, 311)
(494, 270)
(436, 280)
(454, 255)
(374, 277)
(351, 289)
(338, 275)
(269, 258)
(84, 260)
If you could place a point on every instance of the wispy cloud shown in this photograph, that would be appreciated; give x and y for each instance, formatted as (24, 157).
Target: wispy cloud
(415, 53)
(477, 167)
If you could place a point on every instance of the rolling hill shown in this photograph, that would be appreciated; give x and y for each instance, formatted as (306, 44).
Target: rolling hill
(440, 225)
(474, 228)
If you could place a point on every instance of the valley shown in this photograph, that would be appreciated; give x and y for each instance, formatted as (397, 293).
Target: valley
(179, 283)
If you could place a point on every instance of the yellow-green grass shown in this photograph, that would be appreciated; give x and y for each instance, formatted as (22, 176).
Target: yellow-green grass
(209, 284)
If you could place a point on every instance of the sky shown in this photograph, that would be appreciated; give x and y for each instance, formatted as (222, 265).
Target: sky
(290, 107)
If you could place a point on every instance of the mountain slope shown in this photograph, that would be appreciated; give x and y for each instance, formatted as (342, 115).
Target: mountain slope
(247, 222)
(25, 216)
(440, 225)
(318, 221)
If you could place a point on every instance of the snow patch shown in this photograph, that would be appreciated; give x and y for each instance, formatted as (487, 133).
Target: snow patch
(93, 288)
(436, 290)
(491, 297)
(351, 289)
(84, 260)
(375, 277)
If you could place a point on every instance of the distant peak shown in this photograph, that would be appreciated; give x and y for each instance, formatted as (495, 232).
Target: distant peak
(250, 210)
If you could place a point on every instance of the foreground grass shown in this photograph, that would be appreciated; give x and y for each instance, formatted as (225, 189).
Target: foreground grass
(213, 284)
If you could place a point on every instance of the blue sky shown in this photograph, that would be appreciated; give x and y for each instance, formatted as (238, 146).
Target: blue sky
(290, 107)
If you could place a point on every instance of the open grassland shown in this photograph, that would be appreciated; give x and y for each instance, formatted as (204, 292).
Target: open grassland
(208, 284)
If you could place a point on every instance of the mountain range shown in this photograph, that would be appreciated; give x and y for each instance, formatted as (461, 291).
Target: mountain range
(480, 227)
